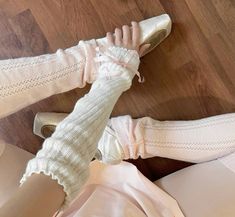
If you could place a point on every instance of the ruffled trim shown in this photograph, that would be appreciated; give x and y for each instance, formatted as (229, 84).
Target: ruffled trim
(57, 172)
(121, 56)
(97, 55)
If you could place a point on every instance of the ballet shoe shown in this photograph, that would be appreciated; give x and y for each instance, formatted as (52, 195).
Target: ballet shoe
(45, 123)
(152, 31)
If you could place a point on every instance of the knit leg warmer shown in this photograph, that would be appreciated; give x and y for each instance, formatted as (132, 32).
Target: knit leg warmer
(66, 155)
(193, 141)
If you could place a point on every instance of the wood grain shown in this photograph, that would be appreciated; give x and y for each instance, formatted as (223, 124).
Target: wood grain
(189, 76)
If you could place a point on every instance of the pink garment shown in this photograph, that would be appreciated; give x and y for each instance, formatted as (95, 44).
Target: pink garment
(121, 190)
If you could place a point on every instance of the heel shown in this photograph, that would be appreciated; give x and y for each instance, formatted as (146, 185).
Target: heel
(45, 123)
(154, 30)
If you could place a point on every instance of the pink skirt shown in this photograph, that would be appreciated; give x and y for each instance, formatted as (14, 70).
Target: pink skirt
(121, 190)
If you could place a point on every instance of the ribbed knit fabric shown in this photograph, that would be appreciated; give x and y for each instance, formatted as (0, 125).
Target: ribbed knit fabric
(66, 155)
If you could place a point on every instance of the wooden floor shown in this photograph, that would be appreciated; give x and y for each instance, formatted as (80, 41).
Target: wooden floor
(190, 75)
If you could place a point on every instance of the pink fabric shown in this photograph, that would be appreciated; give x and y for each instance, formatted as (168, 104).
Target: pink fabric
(90, 69)
(121, 190)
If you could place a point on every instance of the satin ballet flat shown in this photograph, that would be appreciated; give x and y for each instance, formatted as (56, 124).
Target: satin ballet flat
(153, 31)
(45, 123)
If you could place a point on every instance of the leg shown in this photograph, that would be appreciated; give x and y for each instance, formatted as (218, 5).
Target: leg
(65, 157)
(192, 141)
(25, 81)
(202, 190)
(13, 162)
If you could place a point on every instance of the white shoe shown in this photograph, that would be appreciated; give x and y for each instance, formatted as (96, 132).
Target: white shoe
(153, 31)
(45, 123)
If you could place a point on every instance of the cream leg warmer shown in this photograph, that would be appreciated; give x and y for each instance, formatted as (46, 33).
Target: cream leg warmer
(66, 155)
(193, 141)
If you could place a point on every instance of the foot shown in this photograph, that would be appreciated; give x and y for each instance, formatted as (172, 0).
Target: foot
(152, 32)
